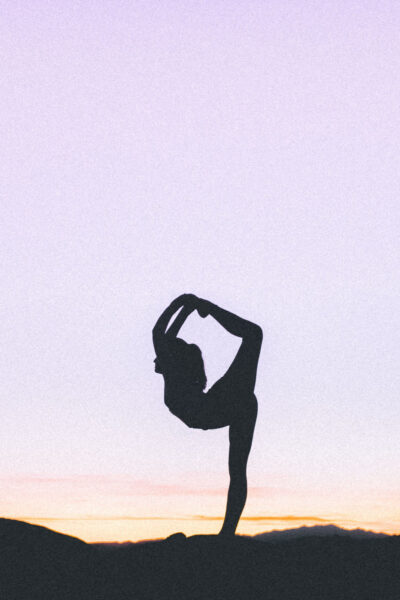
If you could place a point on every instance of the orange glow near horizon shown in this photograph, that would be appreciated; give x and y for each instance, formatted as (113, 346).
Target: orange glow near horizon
(117, 509)
(122, 529)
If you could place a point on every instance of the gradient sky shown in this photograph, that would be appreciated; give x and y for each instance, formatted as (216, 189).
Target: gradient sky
(244, 151)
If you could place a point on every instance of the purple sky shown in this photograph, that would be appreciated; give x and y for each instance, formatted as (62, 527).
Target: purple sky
(243, 151)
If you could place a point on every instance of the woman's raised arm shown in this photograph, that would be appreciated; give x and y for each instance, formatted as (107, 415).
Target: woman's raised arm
(187, 303)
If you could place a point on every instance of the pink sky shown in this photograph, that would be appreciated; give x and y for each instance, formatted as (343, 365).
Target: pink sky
(246, 152)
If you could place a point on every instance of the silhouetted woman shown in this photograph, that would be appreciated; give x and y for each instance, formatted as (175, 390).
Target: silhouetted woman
(230, 402)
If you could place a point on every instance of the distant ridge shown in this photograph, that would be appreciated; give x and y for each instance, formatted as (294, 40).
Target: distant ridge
(277, 535)
(316, 531)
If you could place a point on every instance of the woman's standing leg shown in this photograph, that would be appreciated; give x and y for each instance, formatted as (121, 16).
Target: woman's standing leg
(240, 440)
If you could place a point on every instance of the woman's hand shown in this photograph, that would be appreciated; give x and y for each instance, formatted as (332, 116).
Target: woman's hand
(203, 307)
(186, 304)
(192, 302)
(189, 300)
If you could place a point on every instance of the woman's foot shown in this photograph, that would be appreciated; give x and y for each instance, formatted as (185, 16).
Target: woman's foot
(226, 534)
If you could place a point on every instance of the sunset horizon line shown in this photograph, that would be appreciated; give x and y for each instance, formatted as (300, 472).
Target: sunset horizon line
(345, 525)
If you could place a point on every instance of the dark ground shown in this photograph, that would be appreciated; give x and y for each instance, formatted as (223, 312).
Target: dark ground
(39, 564)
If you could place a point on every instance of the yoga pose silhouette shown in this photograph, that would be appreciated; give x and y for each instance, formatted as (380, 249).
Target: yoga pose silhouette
(230, 402)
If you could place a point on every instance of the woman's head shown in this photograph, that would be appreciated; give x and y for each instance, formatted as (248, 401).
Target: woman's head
(186, 362)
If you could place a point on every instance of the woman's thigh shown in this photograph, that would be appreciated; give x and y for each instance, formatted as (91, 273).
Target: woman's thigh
(242, 373)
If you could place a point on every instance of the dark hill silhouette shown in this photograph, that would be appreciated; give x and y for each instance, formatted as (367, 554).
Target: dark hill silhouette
(39, 564)
(316, 531)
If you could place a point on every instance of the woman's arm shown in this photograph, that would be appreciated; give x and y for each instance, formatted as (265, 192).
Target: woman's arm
(231, 322)
(187, 301)
(185, 311)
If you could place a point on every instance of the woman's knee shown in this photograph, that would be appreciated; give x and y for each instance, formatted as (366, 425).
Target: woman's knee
(247, 411)
(238, 480)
